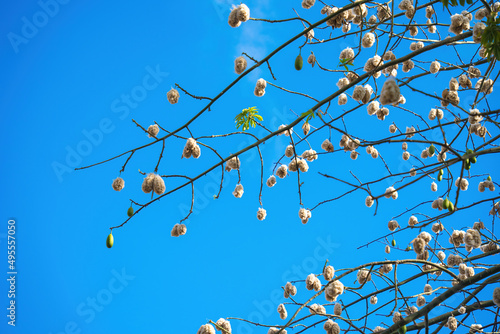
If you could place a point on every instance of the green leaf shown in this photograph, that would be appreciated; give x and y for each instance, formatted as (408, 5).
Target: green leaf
(247, 118)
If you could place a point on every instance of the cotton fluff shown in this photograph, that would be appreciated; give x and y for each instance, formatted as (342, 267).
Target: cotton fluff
(472, 238)
(484, 86)
(374, 153)
(328, 273)
(431, 27)
(474, 116)
(420, 301)
(347, 53)
(282, 311)
(478, 226)
(178, 230)
(342, 83)
(406, 155)
(382, 113)
(342, 99)
(311, 59)
(238, 14)
(410, 310)
(392, 225)
(147, 184)
(359, 93)
(478, 31)
(364, 276)
(393, 128)
(373, 63)
(435, 66)
(390, 92)
(191, 149)
(333, 290)
(413, 31)
(327, 146)
(274, 330)
(408, 65)
(419, 245)
(413, 172)
(412, 221)
(453, 84)
(308, 3)
(368, 40)
(223, 325)
(331, 327)
(289, 151)
(282, 171)
(260, 88)
(290, 290)
(387, 249)
(304, 215)
(238, 191)
(271, 181)
(386, 268)
(433, 113)
(414, 46)
(261, 214)
(206, 329)
(310, 155)
(118, 184)
(462, 183)
(383, 12)
(457, 238)
(240, 65)
(158, 185)
(233, 163)
(489, 247)
(474, 72)
(153, 130)
(312, 282)
(173, 96)
(459, 23)
(475, 328)
(337, 309)
(369, 201)
(486, 184)
(396, 317)
(309, 35)
(496, 296)
(283, 132)
(373, 107)
(452, 323)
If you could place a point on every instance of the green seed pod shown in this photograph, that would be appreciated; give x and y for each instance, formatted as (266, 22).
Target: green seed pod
(467, 161)
(110, 240)
(440, 177)
(299, 62)
(473, 160)
(446, 203)
(440, 172)
(432, 149)
(393, 243)
(469, 151)
(402, 330)
(489, 178)
(467, 165)
(408, 248)
(451, 207)
(130, 211)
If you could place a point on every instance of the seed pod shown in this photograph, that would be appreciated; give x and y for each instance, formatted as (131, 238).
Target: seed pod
(110, 240)
(440, 177)
(440, 172)
(451, 207)
(402, 330)
(489, 178)
(432, 149)
(130, 211)
(299, 62)
(393, 243)
(446, 203)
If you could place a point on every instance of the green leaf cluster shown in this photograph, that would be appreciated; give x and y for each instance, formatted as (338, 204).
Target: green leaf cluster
(308, 115)
(490, 39)
(247, 118)
(454, 3)
(346, 62)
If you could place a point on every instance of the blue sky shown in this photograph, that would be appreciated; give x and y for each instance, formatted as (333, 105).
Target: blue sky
(72, 86)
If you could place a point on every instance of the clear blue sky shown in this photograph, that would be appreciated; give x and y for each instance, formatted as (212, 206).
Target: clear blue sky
(71, 86)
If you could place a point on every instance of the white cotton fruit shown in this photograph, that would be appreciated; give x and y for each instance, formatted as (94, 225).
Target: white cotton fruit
(306, 127)
(337, 309)
(289, 151)
(429, 11)
(435, 66)
(459, 23)
(223, 325)
(153, 130)
(312, 58)
(406, 155)
(327, 146)
(240, 65)
(261, 214)
(304, 215)
(342, 99)
(368, 40)
(347, 53)
(364, 276)
(373, 107)
(178, 230)
(342, 83)
(334, 290)
(387, 249)
(421, 301)
(191, 149)
(393, 128)
(310, 155)
(261, 84)
(354, 155)
(412, 221)
(173, 96)
(238, 191)
(284, 132)
(369, 201)
(473, 72)
(158, 185)
(147, 184)
(416, 46)
(434, 186)
(390, 92)
(328, 273)
(290, 290)
(496, 296)
(282, 171)
(313, 283)
(308, 3)
(457, 238)
(118, 184)
(484, 86)
(472, 238)
(233, 163)
(206, 329)
(271, 181)
(274, 330)
(282, 311)
(392, 225)
(233, 20)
